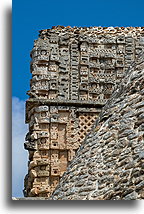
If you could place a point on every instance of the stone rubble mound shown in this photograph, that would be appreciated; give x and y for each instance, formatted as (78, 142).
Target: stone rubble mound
(110, 163)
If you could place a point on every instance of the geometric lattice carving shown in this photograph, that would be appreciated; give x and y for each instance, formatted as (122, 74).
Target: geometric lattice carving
(86, 120)
(74, 72)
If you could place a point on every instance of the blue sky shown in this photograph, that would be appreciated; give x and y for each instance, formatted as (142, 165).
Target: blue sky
(30, 16)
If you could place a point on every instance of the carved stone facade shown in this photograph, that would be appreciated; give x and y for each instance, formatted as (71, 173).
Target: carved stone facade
(74, 72)
(109, 165)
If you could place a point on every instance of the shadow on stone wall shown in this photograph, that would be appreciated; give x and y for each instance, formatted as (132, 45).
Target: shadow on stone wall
(78, 205)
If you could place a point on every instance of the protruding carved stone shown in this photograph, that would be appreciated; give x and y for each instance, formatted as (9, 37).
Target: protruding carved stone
(74, 72)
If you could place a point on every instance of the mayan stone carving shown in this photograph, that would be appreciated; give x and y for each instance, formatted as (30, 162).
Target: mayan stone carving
(74, 72)
(109, 165)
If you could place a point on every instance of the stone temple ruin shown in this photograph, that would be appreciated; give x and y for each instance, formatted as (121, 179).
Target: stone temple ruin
(109, 164)
(74, 72)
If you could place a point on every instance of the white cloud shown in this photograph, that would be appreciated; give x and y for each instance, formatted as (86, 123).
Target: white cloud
(19, 154)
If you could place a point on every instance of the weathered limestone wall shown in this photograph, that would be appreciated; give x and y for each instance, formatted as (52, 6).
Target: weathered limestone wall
(74, 72)
(110, 163)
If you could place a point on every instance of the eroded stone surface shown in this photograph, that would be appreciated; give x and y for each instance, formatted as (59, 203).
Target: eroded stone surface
(110, 163)
(74, 72)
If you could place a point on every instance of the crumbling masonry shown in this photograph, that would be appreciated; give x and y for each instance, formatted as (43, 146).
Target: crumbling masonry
(74, 72)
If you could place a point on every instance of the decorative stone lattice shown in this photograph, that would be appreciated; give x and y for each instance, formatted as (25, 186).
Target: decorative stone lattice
(74, 72)
(85, 124)
(110, 162)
